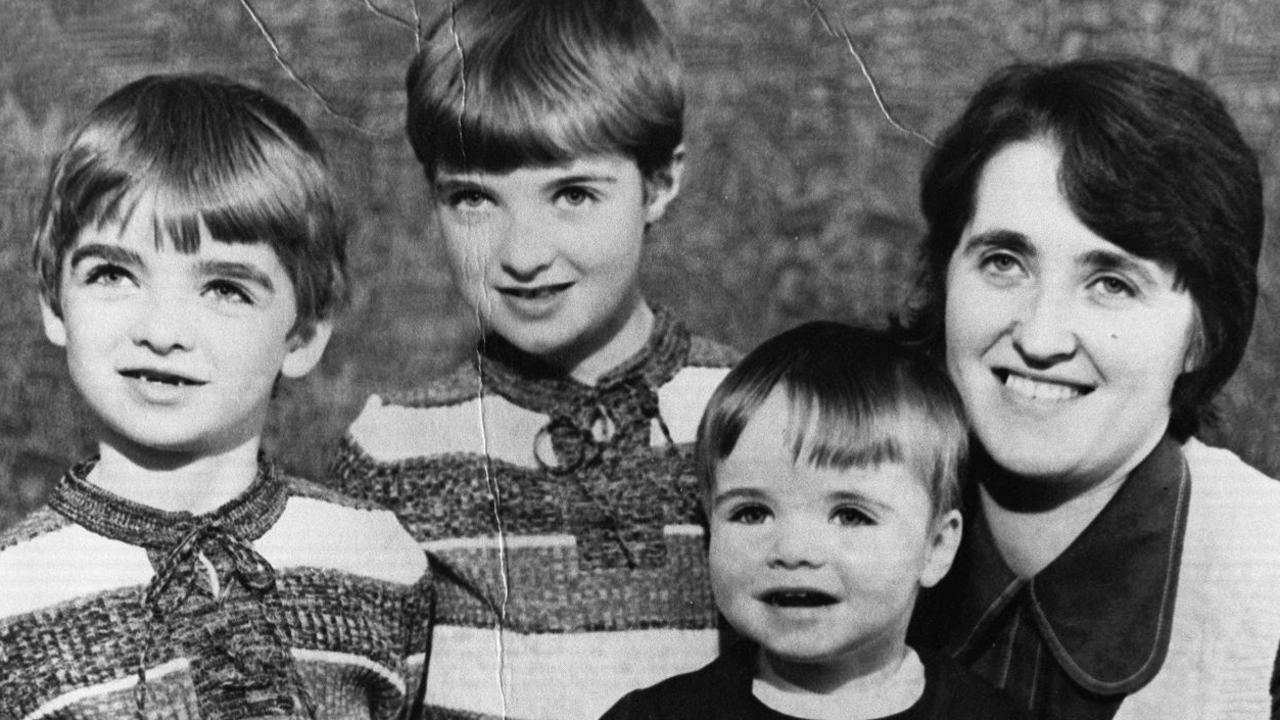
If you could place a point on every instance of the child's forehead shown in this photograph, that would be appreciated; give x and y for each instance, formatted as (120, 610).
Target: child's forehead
(784, 441)
(590, 164)
(144, 231)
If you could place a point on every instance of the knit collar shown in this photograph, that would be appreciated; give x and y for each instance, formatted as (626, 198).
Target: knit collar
(247, 516)
(1104, 607)
(531, 383)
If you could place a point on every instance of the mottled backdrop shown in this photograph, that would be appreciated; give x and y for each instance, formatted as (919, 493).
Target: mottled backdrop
(800, 202)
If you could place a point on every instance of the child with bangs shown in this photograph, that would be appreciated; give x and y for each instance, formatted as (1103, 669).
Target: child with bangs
(190, 253)
(550, 477)
(830, 460)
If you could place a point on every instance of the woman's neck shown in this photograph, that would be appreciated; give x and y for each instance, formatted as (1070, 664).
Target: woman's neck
(177, 482)
(1033, 520)
(808, 691)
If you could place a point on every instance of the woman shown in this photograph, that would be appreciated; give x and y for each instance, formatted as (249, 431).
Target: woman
(1094, 231)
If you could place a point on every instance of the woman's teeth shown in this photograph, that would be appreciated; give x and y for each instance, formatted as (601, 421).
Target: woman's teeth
(1036, 390)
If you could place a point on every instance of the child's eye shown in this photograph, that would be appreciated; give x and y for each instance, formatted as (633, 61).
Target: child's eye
(574, 196)
(468, 199)
(749, 514)
(107, 275)
(851, 516)
(228, 291)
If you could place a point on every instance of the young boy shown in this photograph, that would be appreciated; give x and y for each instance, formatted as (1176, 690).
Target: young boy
(829, 459)
(190, 253)
(549, 478)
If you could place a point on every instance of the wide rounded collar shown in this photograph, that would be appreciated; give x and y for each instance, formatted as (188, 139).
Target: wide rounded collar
(1104, 607)
(248, 516)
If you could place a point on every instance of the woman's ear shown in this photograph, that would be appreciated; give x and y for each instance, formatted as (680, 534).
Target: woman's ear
(306, 345)
(1195, 355)
(662, 185)
(943, 544)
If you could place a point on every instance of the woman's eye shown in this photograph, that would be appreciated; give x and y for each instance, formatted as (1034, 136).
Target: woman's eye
(749, 515)
(851, 516)
(230, 292)
(1002, 263)
(1114, 286)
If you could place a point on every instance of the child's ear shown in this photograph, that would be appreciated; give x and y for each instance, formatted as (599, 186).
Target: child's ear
(663, 185)
(942, 548)
(54, 328)
(306, 345)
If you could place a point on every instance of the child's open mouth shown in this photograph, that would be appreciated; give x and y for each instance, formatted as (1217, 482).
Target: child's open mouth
(797, 598)
(535, 293)
(160, 378)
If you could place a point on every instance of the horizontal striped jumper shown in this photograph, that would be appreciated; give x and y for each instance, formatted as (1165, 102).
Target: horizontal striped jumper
(561, 520)
(288, 601)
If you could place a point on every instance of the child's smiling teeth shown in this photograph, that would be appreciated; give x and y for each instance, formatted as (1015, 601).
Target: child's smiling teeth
(160, 378)
(798, 598)
(1036, 390)
(537, 293)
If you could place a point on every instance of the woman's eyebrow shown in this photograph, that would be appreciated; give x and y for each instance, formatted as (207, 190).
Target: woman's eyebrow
(998, 239)
(1122, 262)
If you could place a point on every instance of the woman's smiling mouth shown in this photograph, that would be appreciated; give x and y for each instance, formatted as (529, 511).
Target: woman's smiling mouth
(1041, 390)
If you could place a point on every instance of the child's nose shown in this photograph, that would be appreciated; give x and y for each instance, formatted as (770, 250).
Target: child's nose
(164, 325)
(795, 545)
(526, 250)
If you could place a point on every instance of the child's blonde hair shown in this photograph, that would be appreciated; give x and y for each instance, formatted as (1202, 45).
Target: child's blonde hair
(857, 398)
(502, 84)
(214, 152)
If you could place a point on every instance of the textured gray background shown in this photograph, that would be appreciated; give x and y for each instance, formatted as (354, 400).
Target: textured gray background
(800, 202)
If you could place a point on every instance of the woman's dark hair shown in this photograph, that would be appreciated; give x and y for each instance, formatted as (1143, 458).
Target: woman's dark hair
(1151, 161)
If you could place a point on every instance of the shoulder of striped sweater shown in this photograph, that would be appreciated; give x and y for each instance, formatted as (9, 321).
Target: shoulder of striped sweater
(39, 522)
(394, 426)
(705, 352)
(682, 399)
(322, 528)
(458, 386)
(312, 490)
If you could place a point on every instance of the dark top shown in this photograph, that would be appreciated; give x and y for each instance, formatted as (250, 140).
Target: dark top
(1091, 627)
(723, 690)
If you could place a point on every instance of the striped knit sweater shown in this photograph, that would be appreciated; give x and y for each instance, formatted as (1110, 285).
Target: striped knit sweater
(289, 601)
(561, 521)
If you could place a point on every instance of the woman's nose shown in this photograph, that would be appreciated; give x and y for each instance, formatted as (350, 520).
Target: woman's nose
(1043, 329)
